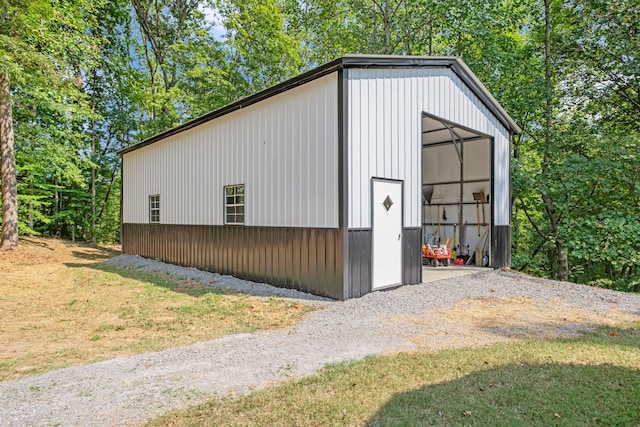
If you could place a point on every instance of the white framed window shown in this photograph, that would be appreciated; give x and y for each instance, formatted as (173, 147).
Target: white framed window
(234, 204)
(154, 208)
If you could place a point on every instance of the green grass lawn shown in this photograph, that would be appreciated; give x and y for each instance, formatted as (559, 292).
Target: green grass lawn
(593, 380)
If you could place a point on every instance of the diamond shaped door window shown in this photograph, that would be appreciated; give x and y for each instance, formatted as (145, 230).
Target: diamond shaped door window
(387, 203)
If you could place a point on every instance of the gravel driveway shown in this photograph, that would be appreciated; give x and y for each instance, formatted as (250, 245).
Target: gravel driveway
(477, 309)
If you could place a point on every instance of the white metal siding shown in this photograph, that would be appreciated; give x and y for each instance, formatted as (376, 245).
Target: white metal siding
(502, 177)
(284, 149)
(384, 124)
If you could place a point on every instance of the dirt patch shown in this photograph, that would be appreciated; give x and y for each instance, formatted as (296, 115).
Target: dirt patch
(36, 251)
(482, 321)
(61, 306)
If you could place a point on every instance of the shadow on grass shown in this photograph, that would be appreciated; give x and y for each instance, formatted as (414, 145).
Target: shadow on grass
(592, 380)
(160, 280)
(35, 242)
(527, 393)
(512, 395)
(103, 254)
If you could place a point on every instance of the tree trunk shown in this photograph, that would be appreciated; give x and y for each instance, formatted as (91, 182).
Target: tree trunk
(554, 218)
(563, 260)
(56, 206)
(93, 159)
(387, 27)
(8, 170)
(30, 217)
(430, 34)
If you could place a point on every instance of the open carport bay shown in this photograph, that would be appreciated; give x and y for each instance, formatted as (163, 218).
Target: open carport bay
(457, 186)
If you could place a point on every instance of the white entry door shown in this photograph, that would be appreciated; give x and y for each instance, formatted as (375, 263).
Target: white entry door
(387, 234)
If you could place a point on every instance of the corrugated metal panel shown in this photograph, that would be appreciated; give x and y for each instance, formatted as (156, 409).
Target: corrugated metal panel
(385, 108)
(359, 263)
(502, 179)
(441, 164)
(412, 256)
(284, 149)
(308, 259)
(477, 164)
(501, 246)
(382, 141)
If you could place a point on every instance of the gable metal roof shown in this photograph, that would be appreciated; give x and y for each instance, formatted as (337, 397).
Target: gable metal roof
(350, 61)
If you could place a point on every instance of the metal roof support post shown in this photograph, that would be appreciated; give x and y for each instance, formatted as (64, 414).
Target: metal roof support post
(460, 152)
(454, 135)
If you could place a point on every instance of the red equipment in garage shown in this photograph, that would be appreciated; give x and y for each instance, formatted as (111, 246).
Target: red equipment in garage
(435, 254)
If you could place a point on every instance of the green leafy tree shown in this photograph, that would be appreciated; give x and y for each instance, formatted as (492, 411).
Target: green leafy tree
(16, 55)
(178, 57)
(44, 48)
(260, 53)
(575, 163)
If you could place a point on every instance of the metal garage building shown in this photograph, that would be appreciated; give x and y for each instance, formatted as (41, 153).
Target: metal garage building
(331, 181)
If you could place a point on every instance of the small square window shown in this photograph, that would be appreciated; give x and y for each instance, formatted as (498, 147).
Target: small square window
(154, 208)
(234, 204)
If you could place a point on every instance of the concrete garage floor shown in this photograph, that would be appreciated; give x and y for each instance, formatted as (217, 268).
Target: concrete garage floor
(433, 274)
